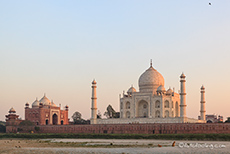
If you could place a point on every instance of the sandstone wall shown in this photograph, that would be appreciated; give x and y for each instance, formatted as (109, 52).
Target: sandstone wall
(163, 128)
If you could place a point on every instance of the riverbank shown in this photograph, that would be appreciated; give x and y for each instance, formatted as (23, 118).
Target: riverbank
(200, 137)
(124, 146)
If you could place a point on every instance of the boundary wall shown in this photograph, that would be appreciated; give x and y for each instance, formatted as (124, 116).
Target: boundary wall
(156, 128)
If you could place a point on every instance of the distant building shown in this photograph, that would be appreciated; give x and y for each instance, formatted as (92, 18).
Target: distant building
(45, 112)
(12, 119)
(213, 118)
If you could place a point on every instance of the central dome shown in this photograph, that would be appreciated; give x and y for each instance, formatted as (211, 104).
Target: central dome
(150, 80)
(45, 101)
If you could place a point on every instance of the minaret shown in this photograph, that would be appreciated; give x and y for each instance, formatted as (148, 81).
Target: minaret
(202, 103)
(182, 96)
(94, 104)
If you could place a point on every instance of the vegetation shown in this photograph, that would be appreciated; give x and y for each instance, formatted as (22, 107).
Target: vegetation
(78, 120)
(111, 113)
(2, 128)
(2, 123)
(37, 128)
(211, 137)
(26, 123)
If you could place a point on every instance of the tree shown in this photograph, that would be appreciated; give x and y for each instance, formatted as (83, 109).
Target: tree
(76, 116)
(78, 120)
(111, 113)
(2, 128)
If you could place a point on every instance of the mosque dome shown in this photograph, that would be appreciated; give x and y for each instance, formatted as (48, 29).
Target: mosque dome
(54, 105)
(161, 89)
(35, 103)
(45, 101)
(169, 91)
(94, 82)
(150, 80)
(131, 90)
(182, 75)
(12, 110)
(202, 88)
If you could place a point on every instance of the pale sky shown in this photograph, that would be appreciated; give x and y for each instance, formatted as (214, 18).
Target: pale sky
(58, 47)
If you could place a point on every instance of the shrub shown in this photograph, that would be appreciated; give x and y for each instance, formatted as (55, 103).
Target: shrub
(19, 129)
(26, 123)
(2, 128)
(37, 128)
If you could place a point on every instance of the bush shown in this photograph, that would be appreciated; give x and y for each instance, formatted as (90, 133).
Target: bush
(37, 128)
(26, 123)
(19, 129)
(2, 128)
(213, 137)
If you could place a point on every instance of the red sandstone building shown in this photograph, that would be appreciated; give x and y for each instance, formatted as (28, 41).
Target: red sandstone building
(12, 119)
(45, 112)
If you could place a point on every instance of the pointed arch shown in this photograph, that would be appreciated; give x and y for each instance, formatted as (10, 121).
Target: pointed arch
(157, 114)
(157, 104)
(166, 104)
(127, 114)
(166, 114)
(127, 105)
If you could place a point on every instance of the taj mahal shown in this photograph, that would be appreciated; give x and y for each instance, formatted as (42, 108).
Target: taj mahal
(152, 103)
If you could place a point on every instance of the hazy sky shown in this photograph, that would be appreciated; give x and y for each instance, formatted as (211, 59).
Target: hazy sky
(58, 47)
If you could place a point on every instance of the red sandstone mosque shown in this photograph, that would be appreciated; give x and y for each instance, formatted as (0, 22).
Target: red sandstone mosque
(42, 112)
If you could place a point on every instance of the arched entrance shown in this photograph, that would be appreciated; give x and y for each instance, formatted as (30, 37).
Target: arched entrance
(209, 121)
(143, 108)
(55, 119)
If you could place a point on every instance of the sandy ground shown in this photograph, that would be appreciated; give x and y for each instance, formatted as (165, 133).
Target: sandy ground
(104, 146)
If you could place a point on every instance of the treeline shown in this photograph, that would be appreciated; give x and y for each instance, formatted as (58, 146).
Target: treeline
(2, 127)
(211, 137)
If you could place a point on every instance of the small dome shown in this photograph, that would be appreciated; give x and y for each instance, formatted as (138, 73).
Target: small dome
(35, 103)
(45, 101)
(202, 88)
(67, 106)
(12, 110)
(94, 82)
(161, 89)
(182, 75)
(150, 80)
(169, 91)
(27, 104)
(131, 90)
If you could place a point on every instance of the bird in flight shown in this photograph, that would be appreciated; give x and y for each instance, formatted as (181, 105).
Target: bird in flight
(210, 3)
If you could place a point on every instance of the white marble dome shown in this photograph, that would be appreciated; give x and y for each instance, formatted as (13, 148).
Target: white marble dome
(54, 105)
(169, 91)
(45, 101)
(150, 80)
(161, 89)
(131, 90)
(35, 104)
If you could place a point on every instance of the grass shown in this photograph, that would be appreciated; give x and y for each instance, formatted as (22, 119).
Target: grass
(211, 137)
